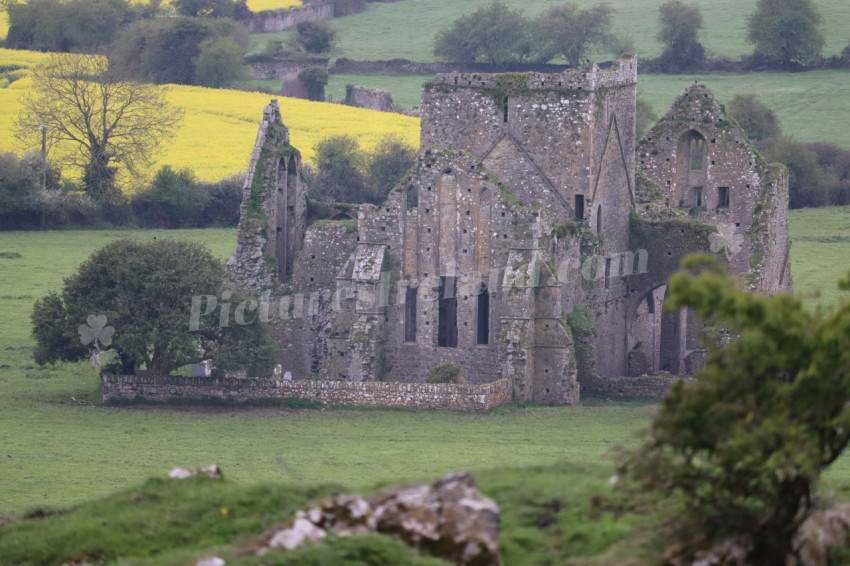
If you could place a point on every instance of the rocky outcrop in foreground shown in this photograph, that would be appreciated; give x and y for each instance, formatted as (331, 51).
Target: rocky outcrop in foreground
(449, 519)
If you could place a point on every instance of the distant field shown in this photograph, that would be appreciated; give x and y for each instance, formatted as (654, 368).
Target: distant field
(406, 29)
(217, 134)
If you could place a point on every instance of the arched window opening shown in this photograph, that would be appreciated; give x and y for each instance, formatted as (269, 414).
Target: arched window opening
(447, 323)
(483, 326)
(599, 219)
(410, 314)
(412, 198)
(692, 148)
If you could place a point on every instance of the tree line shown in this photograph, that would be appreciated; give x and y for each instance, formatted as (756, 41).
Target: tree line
(784, 34)
(202, 45)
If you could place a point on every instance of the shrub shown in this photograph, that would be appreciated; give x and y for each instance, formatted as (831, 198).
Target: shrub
(758, 121)
(314, 37)
(389, 162)
(224, 199)
(174, 199)
(314, 80)
(205, 8)
(805, 186)
(220, 63)
(446, 373)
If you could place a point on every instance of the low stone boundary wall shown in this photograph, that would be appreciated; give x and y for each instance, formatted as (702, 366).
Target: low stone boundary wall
(407, 67)
(358, 394)
(644, 387)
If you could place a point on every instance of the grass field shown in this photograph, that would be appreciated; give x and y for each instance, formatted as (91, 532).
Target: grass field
(56, 452)
(820, 253)
(406, 29)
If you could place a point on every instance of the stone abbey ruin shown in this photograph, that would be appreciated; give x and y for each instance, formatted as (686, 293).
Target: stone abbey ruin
(532, 241)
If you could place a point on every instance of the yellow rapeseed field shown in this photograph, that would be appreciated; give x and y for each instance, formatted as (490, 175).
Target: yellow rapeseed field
(219, 127)
(260, 5)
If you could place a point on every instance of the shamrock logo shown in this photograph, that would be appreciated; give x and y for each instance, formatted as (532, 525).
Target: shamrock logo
(95, 331)
(726, 240)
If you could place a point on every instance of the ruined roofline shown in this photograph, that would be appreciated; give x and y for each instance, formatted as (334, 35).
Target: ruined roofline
(622, 72)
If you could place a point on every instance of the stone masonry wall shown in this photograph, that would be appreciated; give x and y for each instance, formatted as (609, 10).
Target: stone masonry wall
(283, 68)
(644, 387)
(363, 394)
(269, 21)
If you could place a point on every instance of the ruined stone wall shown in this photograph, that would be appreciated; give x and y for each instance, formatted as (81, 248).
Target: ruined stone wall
(281, 69)
(535, 131)
(327, 247)
(246, 268)
(273, 210)
(662, 341)
(373, 98)
(270, 21)
(452, 224)
(366, 394)
(703, 164)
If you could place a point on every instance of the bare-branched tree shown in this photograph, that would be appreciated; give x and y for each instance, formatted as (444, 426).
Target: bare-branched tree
(100, 119)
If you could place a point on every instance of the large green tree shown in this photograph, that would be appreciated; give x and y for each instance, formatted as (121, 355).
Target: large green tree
(785, 31)
(678, 30)
(136, 299)
(573, 32)
(76, 101)
(492, 34)
(737, 452)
